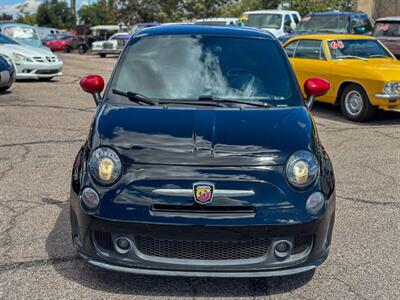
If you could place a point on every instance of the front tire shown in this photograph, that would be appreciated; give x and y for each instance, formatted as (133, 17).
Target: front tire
(103, 55)
(355, 104)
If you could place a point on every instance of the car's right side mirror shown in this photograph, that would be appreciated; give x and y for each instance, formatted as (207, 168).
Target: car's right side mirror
(93, 84)
(315, 87)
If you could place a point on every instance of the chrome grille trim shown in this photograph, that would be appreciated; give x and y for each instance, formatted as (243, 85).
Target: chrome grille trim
(217, 193)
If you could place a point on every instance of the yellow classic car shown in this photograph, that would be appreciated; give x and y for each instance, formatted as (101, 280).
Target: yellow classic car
(364, 74)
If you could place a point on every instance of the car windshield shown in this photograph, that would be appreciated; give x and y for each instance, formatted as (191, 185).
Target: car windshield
(272, 21)
(6, 40)
(192, 67)
(324, 24)
(342, 49)
(389, 29)
(21, 32)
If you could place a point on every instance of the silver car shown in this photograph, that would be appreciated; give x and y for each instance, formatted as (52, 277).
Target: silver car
(30, 62)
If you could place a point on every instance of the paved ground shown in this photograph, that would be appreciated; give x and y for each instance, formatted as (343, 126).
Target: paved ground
(42, 125)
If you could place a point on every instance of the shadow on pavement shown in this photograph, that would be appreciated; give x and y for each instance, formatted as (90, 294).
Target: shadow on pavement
(381, 117)
(69, 266)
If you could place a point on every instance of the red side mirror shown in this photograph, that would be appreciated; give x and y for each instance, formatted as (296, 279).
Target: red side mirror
(92, 84)
(315, 87)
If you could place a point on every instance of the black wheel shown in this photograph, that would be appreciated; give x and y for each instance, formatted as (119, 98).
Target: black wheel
(82, 50)
(102, 55)
(355, 104)
(4, 88)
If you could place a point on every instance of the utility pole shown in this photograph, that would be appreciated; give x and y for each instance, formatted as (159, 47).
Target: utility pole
(73, 12)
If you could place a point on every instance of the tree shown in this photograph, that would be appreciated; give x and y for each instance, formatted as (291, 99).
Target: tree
(306, 6)
(26, 18)
(54, 13)
(5, 17)
(103, 12)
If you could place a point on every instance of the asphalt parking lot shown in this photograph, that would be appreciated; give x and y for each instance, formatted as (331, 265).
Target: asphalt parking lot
(42, 126)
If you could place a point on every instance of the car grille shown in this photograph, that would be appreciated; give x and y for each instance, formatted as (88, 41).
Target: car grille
(104, 239)
(108, 46)
(202, 250)
(47, 72)
(38, 59)
(47, 59)
(301, 244)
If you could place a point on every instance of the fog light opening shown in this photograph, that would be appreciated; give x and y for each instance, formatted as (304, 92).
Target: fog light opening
(315, 203)
(282, 249)
(90, 199)
(122, 245)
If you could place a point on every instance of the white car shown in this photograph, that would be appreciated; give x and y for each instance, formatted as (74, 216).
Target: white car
(113, 45)
(277, 21)
(219, 22)
(30, 62)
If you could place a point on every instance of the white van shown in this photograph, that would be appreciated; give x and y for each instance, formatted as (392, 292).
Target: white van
(277, 22)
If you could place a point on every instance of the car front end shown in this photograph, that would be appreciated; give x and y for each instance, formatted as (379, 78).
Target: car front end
(36, 66)
(194, 188)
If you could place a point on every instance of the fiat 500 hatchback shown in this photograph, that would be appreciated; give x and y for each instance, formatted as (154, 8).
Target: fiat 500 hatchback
(203, 160)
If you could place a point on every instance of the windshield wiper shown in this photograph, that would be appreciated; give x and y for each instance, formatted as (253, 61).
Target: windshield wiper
(351, 56)
(379, 56)
(224, 100)
(136, 97)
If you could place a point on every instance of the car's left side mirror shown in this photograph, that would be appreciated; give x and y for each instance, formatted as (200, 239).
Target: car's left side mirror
(315, 87)
(93, 84)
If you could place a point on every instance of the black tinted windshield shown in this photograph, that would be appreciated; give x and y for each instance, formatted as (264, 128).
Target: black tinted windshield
(344, 49)
(321, 24)
(389, 29)
(273, 21)
(187, 67)
(6, 40)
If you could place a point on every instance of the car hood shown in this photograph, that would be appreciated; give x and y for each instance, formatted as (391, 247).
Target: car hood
(377, 68)
(276, 32)
(192, 136)
(25, 50)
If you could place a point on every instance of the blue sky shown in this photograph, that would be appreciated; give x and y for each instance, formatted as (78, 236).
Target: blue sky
(10, 6)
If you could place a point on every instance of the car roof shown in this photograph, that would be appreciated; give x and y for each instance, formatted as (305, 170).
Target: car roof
(271, 11)
(205, 30)
(335, 13)
(388, 19)
(330, 37)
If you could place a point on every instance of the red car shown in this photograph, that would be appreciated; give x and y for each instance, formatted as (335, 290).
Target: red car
(59, 42)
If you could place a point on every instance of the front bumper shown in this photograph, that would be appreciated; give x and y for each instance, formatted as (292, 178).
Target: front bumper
(148, 260)
(28, 70)
(108, 51)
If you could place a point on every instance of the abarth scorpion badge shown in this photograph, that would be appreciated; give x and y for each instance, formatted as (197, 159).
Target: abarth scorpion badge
(203, 192)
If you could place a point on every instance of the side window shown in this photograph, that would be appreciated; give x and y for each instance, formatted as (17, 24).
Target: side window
(361, 24)
(290, 49)
(295, 18)
(287, 21)
(366, 22)
(308, 49)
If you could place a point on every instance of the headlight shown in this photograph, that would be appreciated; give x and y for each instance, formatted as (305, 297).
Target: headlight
(391, 88)
(105, 166)
(302, 169)
(20, 57)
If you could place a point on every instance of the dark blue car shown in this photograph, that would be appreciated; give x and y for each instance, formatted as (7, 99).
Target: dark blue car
(7, 74)
(203, 160)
